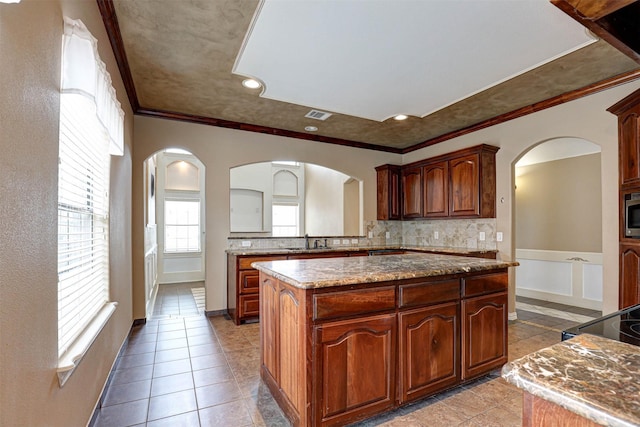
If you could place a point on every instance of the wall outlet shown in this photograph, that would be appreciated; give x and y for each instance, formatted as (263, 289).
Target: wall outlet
(482, 236)
(246, 243)
(370, 234)
(336, 242)
(499, 236)
(436, 235)
(387, 235)
(345, 241)
(354, 241)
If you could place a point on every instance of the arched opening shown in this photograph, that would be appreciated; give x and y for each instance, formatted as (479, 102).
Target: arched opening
(558, 228)
(291, 199)
(174, 234)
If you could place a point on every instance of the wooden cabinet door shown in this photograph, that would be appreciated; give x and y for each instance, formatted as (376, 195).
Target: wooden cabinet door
(484, 334)
(269, 311)
(429, 350)
(412, 193)
(388, 192)
(355, 372)
(629, 293)
(629, 142)
(465, 188)
(435, 187)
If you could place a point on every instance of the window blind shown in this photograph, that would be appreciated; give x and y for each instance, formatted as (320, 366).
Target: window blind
(83, 220)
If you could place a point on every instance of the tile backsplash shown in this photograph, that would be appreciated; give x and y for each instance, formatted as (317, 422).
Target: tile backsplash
(457, 233)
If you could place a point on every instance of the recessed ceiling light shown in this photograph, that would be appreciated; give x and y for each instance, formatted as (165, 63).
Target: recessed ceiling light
(251, 84)
(311, 128)
(401, 117)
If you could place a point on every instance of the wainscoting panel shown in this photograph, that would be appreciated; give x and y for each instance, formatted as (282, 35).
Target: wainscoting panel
(572, 278)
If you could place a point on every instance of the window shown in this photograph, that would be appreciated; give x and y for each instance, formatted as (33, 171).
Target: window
(284, 220)
(182, 226)
(91, 128)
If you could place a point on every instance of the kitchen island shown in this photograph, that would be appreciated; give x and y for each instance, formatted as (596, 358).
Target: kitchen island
(586, 381)
(343, 339)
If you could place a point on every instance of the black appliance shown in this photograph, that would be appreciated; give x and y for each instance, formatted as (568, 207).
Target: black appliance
(623, 325)
(632, 215)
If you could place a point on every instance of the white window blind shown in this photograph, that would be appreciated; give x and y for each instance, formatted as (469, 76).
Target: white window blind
(83, 219)
(91, 128)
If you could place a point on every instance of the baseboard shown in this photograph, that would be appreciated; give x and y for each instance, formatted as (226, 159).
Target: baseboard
(138, 322)
(513, 316)
(214, 313)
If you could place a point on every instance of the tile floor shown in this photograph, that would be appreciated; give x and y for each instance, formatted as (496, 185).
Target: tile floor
(184, 369)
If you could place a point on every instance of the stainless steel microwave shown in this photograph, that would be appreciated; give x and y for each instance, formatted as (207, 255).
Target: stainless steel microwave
(632, 215)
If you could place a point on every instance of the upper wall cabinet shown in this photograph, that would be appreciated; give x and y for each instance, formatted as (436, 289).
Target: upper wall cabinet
(388, 192)
(412, 192)
(461, 184)
(628, 112)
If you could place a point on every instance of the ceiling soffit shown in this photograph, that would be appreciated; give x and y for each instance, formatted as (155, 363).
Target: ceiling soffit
(177, 59)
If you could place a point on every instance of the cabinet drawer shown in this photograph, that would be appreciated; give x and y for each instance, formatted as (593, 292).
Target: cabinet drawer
(249, 305)
(348, 303)
(245, 263)
(485, 284)
(426, 293)
(249, 281)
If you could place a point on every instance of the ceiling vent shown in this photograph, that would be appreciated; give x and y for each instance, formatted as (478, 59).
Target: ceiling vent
(318, 115)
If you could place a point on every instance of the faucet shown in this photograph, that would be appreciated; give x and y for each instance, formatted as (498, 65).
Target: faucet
(306, 241)
(315, 244)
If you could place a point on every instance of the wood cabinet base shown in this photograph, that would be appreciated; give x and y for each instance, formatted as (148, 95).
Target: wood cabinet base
(333, 356)
(537, 412)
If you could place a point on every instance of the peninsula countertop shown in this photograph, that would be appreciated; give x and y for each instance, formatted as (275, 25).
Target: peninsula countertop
(301, 250)
(594, 377)
(327, 272)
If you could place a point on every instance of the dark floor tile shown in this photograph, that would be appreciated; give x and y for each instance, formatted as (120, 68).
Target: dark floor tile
(204, 349)
(171, 344)
(208, 361)
(129, 375)
(171, 384)
(171, 355)
(168, 405)
(126, 414)
(189, 419)
(136, 360)
(217, 393)
(226, 414)
(171, 368)
(202, 339)
(138, 348)
(127, 392)
(210, 376)
(172, 335)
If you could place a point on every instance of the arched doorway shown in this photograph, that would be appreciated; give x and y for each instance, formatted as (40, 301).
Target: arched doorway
(174, 238)
(558, 224)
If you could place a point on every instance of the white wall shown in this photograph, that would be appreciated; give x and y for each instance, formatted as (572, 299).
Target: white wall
(584, 118)
(220, 149)
(324, 201)
(30, 48)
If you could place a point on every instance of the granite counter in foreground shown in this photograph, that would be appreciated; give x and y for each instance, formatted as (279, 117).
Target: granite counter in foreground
(326, 272)
(594, 377)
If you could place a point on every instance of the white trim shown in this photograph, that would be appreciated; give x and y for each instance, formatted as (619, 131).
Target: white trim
(76, 352)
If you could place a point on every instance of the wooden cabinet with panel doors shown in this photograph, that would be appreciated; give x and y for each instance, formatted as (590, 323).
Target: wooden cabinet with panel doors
(335, 355)
(461, 184)
(388, 196)
(628, 112)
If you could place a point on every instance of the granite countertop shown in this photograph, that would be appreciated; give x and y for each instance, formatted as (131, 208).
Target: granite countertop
(592, 376)
(327, 272)
(293, 250)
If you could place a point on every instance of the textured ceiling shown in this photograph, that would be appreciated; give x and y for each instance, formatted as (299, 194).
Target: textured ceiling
(181, 55)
